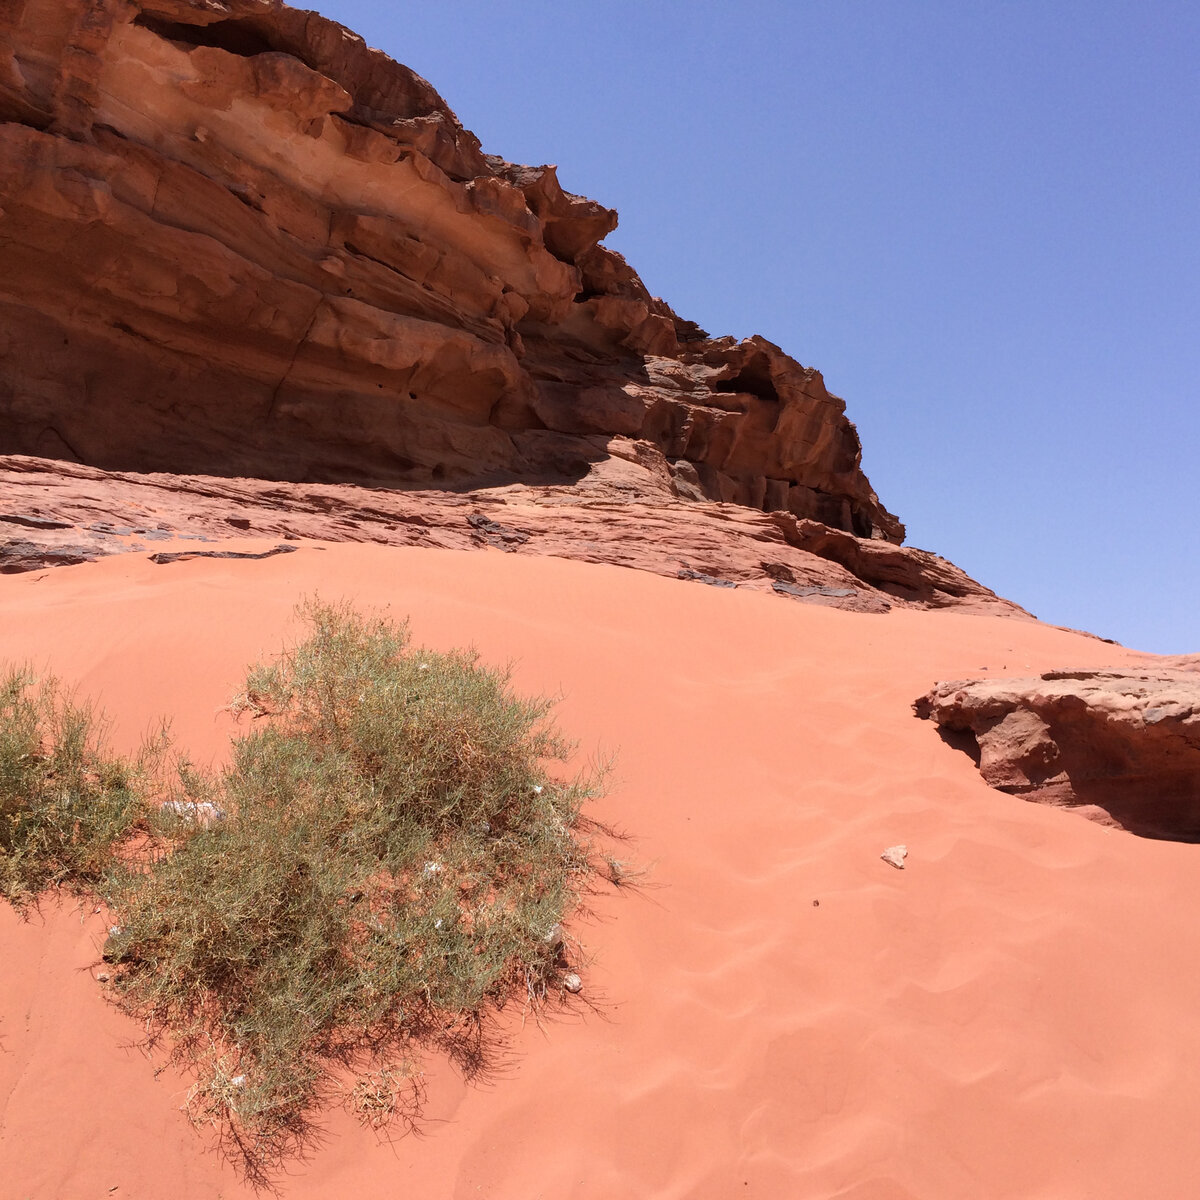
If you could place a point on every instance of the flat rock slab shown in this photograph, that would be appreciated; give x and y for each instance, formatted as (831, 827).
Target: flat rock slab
(29, 521)
(168, 556)
(1121, 746)
(19, 556)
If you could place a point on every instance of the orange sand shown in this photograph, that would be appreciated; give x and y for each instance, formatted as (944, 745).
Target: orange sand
(1013, 1015)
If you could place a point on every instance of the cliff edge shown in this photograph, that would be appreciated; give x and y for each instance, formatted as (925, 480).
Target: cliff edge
(239, 242)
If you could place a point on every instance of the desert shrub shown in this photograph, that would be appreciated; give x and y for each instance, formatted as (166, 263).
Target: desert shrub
(386, 860)
(66, 804)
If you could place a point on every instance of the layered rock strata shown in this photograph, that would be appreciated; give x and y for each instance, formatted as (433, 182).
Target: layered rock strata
(236, 241)
(623, 514)
(1123, 747)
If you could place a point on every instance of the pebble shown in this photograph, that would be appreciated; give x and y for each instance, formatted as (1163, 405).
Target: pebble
(572, 983)
(896, 856)
(203, 813)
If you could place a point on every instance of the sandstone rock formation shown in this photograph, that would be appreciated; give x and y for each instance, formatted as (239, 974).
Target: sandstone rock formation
(236, 241)
(622, 513)
(1122, 746)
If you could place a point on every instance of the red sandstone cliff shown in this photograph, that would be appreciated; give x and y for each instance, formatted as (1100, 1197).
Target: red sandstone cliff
(235, 240)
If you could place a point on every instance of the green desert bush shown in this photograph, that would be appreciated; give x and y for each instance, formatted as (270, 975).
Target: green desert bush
(66, 805)
(386, 861)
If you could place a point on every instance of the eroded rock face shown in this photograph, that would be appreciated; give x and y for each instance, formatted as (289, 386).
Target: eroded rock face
(1122, 746)
(623, 513)
(237, 241)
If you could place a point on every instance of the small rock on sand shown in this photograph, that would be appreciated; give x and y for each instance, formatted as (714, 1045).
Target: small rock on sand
(896, 856)
(202, 812)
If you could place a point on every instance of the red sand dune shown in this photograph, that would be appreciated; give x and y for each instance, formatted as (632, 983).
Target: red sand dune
(1013, 1015)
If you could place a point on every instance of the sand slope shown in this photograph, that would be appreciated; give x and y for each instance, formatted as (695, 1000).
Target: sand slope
(1010, 1016)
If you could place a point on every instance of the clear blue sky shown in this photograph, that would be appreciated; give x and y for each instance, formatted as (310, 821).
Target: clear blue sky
(980, 219)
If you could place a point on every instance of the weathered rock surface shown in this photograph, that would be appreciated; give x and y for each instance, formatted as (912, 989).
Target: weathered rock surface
(623, 513)
(1122, 746)
(236, 241)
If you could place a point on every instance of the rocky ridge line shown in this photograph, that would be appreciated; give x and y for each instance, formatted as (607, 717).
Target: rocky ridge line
(623, 514)
(239, 242)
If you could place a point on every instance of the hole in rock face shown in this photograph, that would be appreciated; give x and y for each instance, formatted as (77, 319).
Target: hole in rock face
(861, 523)
(236, 37)
(754, 378)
